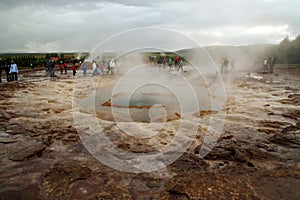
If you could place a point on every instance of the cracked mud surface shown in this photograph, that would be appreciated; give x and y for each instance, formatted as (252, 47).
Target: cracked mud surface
(257, 155)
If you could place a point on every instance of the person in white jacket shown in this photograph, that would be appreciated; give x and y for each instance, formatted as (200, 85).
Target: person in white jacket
(13, 71)
(95, 68)
(111, 66)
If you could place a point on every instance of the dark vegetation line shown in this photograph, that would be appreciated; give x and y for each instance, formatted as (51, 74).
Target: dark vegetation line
(38, 60)
(287, 52)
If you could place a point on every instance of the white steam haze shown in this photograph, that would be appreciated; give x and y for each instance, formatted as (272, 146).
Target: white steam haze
(77, 25)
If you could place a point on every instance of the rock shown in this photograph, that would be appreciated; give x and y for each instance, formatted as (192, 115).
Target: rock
(188, 162)
(114, 191)
(148, 185)
(30, 192)
(208, 186)
(204, 113)
(271, 127)
(244, 164)
(107, 103)
(3, 134)
(267, 130)
(28, 152)
(58, 182)
(70, 137)
(294, 114)
(239, 152)
(288, 137)
(7, 140)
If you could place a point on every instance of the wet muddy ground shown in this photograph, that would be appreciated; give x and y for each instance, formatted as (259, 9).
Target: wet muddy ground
(257, 155)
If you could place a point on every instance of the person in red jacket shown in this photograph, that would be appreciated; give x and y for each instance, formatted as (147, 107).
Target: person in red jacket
(65, 67)
(176, 61)
(74, 69)
(61, 67)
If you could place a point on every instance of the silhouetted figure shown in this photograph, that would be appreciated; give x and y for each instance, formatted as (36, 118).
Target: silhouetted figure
(1, 72)
(7, 69)
(52, 68)
(272, 64)
(224, 65)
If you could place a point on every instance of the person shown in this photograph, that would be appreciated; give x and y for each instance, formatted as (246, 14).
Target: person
(232, 63)
(13, 71)
(61, 67)
(52, 68)
(265, 64)
(180, 64)
(7, 69)
(160, 63)
(224, 65)
(65, 67)
(74, 69)
(95, 69)
(272, 64)
(154, 60)
(164, 62)
(111, 66)
(177, 61)
(1, 72)
(83, 68)
(31, 65)
(170, 62)
(47, 66)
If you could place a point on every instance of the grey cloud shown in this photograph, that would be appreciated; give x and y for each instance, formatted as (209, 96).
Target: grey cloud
(79, 24)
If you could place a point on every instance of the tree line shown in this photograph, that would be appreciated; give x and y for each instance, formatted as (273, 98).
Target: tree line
(287, 51)
(39, 60)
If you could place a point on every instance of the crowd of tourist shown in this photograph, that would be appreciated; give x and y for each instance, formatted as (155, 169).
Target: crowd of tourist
(10, 69)
(269, 64)
(164, 61)
(108, 66)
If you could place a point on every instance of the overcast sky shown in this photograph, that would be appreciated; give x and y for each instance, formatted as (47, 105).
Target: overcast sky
(78, 25)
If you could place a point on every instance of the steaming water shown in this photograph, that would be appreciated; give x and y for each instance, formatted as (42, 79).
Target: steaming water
(143, 98)
(169, 91)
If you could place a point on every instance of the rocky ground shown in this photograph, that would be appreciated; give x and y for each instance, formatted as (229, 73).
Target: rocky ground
(257, 155)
